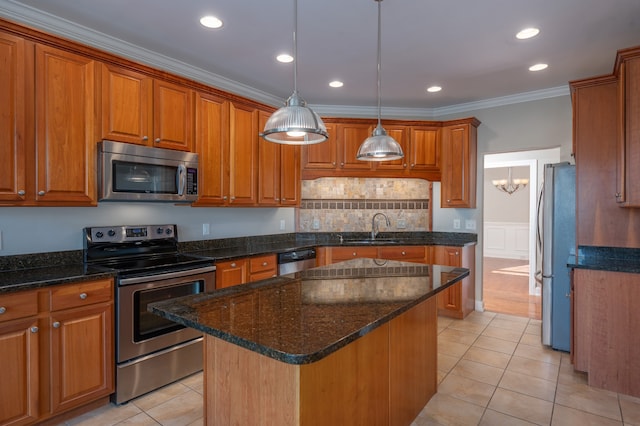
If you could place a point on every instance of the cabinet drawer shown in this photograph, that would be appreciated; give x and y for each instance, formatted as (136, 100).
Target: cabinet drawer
(81, 294)
(344, 253)
(18, 305)
(263, 265)
(402, 253)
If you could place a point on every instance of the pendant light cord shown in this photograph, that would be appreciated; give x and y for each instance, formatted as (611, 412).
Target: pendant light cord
(379, 59)
(295, 46)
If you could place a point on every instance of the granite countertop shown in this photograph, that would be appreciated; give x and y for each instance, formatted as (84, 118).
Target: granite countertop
(23, 272)
(301, 318)
(614, 259)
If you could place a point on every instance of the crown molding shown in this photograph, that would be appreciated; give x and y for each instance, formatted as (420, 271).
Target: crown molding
(27, 15)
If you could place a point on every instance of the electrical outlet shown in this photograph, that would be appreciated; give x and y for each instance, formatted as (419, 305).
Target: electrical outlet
(282, 225)
(205, 229)
(470, 224)
(0, 240)
(456, 223)
(402, 223)
(316, 223)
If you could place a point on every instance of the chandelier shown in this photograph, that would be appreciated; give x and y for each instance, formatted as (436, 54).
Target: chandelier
(509, 185)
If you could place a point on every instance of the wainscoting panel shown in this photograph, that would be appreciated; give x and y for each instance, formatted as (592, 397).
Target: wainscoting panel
(507, 240)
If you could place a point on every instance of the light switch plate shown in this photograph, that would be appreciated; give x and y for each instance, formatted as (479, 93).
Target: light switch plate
(316, 224)
(205, 229)
(402, 223)
(456, 223)
(282, 225)
(0, 240)
(470, 224)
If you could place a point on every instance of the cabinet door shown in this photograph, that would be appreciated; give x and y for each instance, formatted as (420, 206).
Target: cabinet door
(350, 137)
(66, 133)
(268, 167)
(628, 188)
(424, 153)
(290, 180)
(400, 134)
(449, 300)
(403, 253)
(211, 144)
(263, 267)
(458, 188)
(231, 273)
(20, 372)
(173, 116)
(324, 155)
(127, 106)
(338, 254)
(243, 155)
(14, 105)
(82, 355)
(444, 255)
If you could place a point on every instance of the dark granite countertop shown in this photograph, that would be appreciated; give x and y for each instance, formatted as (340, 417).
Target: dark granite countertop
(614, 259)
(23, 272)
(301, 318)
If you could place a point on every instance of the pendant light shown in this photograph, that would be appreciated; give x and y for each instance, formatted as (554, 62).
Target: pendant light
(295, 123)
(379, 146)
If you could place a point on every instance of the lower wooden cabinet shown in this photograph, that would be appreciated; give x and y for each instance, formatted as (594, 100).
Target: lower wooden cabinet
(241, 271)
(58, 343)
(458, 300)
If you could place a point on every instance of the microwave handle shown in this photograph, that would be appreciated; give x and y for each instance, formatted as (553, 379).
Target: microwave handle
(181, 179)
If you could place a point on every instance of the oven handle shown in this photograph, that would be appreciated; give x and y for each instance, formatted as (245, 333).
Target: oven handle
(166, 276)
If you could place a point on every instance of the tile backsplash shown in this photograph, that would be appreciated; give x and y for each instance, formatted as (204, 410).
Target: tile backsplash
(348, 204)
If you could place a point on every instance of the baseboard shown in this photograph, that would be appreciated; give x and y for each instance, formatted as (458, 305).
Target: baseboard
(480, 305)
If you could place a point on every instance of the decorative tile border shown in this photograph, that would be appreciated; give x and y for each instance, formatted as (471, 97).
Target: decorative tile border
(364, 205)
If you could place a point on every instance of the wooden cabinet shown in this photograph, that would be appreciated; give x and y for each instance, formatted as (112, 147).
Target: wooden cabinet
(628, 149)
(338, 254)
(329, 255)
(459, 158)
(243, 154)
(321, 159)
(146, 111)
(350, 137)
(404, 253)
(48, 126)
(458, 300)
(241, 271)
(278, 171)
(59, 344)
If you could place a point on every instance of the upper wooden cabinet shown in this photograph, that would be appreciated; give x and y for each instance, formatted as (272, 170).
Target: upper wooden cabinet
(459, 158)
(423, 155)
(243, 154)
(47, 125)
(628, 173)
(146, 111)
(278, 171)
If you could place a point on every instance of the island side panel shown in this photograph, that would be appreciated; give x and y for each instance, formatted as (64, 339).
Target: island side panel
(242, 387)
(349, 386)
(413, 361)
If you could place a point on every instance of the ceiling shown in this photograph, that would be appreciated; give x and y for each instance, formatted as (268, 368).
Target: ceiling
(466, 46)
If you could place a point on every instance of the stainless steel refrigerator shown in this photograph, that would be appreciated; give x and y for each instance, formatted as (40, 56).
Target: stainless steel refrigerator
(558, 242)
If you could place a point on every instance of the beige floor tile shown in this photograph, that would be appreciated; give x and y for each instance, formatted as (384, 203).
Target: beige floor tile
(441, 376)
(493, 344)
(444, 322)
(539, 353)
(198, 422)
(459, 336)
(509, 324)
(512, 318)
(502, 333)
(447, 410)
(194, 382)
(595, 401)
(179, 411)
(446, 362)
(528, 385)
(530, 339)
(535, 368)
(568, 375)
(467, 390)
(521, 406)
(159, 396)
(452, 348)
(485, 356)
(478, 372)
(480, 317)
(566, 416)
(630, 410)
(141, 419)
(469, 327)
(107, 415)
(493, 418)
(533, 329)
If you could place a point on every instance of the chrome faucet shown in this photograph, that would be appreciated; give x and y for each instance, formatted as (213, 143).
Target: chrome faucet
(374, 224)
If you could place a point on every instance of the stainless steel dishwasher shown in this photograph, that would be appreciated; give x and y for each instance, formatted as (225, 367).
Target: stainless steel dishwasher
(295, 261)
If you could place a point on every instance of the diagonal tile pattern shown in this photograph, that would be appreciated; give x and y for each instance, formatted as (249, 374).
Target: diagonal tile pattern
(492, 371)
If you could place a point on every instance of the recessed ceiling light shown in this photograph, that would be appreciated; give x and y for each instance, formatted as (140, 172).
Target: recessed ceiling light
(434, 89)
(336, 83)
(527, 33)
(284, 58)
(538, 67)
(211, 21)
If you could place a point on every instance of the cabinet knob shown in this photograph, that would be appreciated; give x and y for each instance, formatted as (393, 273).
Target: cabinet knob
(457, 253)
(41, 193)
(277, 199)
(404, 253)
(145, 138)
(21, 192)
(413, 165)
(264, 263)
(233, 198)
(34, 329)
(2, 310)
(333, 163)
(157, 140)
(83, 296)
(224, 197)
(355, 254)
(617, 195)
(233, 265)
(56, 324)
(404, 165)
(284, 199)
(448, 201)
(341, 164)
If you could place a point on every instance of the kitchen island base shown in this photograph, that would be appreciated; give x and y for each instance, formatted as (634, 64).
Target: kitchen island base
(385, 377)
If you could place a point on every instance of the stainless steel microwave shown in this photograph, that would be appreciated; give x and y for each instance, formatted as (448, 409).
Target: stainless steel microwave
(128, 172)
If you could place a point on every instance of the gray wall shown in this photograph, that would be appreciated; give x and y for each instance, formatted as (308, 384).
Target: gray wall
(500, 206)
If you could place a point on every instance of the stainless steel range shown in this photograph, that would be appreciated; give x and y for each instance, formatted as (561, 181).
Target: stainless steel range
(150, 351)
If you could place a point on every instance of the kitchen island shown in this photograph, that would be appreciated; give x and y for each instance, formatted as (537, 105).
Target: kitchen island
(349, 343)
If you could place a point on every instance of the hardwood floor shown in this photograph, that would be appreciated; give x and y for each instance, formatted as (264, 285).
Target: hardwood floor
(506, 288)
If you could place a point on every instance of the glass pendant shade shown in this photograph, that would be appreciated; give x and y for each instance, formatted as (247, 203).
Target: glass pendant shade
(295, 124)
(379, 147)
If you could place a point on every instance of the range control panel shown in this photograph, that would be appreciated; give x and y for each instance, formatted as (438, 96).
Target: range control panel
(120, 234)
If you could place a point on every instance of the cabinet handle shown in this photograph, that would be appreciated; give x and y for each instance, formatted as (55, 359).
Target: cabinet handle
(34, 329)
(233, 265)
(284, 199)
(333, 163)
(41, 193)
(264, 263)
(224, 197)
(2, 310)
(457, 253)
(355, 254)
(56, 324)
(145, 138)
(413, 165)
(233, 198)
(404, 165)
(277, 199)
(157, 140)
(83, 296)
(341, 164)
(617, 194)
(21, 192)
(404, 253)
(448, 201)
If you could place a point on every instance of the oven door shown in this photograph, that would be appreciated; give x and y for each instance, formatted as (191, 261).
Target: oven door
(140, 332)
